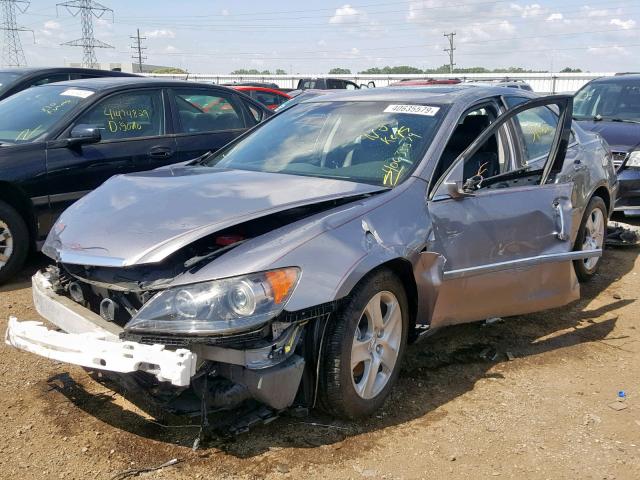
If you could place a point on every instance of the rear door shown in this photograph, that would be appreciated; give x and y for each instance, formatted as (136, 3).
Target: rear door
(207, 119)
(134, 137)
(503, 225)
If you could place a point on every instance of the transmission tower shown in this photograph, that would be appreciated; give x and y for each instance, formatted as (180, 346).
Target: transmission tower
(450, 50)
(88, 9)
(12, 53)
(138, 49)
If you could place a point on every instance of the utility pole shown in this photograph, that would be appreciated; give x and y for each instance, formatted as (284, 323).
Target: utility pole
(87, 10)
(450, 50)
(12, 53)
(138, 49)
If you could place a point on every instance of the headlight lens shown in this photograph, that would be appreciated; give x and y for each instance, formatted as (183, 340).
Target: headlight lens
(634, 159)
(222, 306)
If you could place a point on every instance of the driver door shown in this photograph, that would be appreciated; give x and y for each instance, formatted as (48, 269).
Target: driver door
(503, 225)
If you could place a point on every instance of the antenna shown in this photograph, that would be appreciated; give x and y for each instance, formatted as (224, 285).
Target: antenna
(87, 10)
(138, 49)
(12, 53)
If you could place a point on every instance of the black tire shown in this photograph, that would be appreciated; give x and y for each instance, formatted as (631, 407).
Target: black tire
(583, 271)
(20, 240)
(338, 395)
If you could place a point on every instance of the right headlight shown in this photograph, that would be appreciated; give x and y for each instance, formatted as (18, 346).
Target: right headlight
(223, 306)
(634, 159)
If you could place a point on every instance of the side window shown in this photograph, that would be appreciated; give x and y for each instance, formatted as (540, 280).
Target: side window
(493, 158)
(78, 76)
(537, 127)
(58, 77)
(268, 99)
(127, 115)
(202, 111)
(335, 84)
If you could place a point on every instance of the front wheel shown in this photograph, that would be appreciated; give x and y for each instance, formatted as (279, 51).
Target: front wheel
(14, 242)
(591, 234)
(365, 345)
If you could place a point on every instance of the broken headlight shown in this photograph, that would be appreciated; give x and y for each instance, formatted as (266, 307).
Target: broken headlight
(222, 306)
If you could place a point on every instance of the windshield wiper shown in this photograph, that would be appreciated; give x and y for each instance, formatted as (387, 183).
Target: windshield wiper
(623, 120)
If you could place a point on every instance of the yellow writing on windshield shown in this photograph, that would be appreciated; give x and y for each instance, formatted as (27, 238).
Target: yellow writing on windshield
(389, 135)
(29, 134)
(53, 107)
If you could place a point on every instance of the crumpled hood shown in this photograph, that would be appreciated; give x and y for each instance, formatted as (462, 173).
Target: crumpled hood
(621, 137)
(144, 217)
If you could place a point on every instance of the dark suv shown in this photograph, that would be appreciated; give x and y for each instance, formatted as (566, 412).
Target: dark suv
(14, 80)
(611, 107)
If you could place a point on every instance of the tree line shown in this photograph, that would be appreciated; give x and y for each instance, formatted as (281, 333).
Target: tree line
(407, 70)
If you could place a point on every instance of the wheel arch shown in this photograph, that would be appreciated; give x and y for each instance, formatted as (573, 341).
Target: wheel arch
(603, 192)
(18, 200)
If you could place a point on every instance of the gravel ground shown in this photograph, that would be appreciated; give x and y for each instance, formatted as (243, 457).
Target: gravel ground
(530, 397)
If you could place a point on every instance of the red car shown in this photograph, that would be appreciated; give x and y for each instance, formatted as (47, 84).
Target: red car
(269, 97)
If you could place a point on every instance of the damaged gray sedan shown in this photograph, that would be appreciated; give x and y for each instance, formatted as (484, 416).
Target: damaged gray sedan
(293, 266)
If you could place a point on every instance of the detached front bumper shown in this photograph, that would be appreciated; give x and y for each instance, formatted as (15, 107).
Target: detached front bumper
(89, 341)
(270, 372)
(102, 351)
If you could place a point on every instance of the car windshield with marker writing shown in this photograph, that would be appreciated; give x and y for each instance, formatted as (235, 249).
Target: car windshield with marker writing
(378, 143)
(608, 101)
(26, 116)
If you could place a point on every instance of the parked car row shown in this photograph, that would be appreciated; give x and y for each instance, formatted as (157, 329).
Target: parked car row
(293, 265)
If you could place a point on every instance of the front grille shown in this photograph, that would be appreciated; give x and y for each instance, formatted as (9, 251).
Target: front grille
(618, 158)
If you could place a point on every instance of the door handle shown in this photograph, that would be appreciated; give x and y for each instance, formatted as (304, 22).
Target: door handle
(161, 153)
(560, 231)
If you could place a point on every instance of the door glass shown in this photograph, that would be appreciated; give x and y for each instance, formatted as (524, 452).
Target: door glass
(59, 77)
(256, 113)
(538, 129)
(127, 115)
(201, 111)
(268, 99)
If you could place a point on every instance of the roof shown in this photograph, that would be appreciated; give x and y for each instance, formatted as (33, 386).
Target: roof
(626, 78)
(106, 83)
(442, 94)
(39, 70)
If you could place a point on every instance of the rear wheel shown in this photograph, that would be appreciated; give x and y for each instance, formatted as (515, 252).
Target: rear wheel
(14, 242)
(591, 234)
(365, 345)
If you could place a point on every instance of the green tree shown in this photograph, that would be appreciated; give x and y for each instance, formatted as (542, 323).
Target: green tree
(570, 70)
(339, 71)
(280, 71)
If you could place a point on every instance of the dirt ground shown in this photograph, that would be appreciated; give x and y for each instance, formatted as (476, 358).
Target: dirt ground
(525, 398)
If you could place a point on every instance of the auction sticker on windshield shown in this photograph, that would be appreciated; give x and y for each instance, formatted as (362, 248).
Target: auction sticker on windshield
(74, 92)
(427, 110)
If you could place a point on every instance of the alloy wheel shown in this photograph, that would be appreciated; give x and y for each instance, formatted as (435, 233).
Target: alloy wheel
(6, 244)
(593, 236)
(376, 345)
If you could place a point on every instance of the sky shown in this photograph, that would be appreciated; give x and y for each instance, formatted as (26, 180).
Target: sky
(313, 36)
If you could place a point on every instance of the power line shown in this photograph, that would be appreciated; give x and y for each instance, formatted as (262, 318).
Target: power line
(87, 10)
(450, 50)
(12, 52)
(138, 49)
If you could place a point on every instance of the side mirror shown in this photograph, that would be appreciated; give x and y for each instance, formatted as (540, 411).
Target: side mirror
(84, 134)
(456, 190)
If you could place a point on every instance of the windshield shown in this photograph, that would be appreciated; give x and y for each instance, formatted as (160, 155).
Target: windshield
(608, 101)
(7, 78)
(371, 142)
(27, 115)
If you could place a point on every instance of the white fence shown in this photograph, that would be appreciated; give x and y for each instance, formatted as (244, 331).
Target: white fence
(540, 82)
